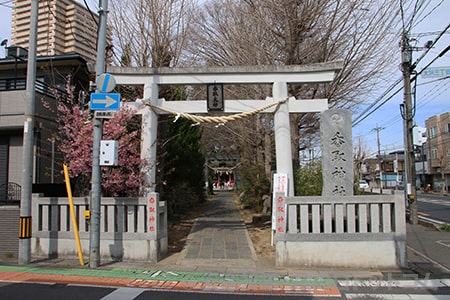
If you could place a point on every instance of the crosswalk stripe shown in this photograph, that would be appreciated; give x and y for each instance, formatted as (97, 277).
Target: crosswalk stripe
(436, 201)
(123, 293)
(404, 289)
(396, 297)
(424, 283)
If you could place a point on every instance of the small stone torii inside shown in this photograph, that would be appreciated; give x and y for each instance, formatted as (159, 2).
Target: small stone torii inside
(278, 76)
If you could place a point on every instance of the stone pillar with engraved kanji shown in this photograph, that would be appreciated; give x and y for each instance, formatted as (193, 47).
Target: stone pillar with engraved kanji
(337, 152)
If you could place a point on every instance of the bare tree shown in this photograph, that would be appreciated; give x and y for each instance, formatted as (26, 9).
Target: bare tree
(154, 33)
(151, 32)
(265, 32)
(258, 32)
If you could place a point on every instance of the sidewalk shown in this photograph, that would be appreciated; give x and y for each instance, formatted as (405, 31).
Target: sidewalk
(428, 250)
(219, 256)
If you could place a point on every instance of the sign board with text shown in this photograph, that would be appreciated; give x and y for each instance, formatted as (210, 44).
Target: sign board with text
(280, 186)
(436, 72)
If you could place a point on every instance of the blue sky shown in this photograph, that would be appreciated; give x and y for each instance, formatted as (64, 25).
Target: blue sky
(433, 96)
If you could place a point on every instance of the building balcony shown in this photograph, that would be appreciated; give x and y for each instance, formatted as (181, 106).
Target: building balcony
(13, 96)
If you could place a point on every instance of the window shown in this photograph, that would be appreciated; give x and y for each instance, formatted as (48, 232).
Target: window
(432, 132)
(434, 154)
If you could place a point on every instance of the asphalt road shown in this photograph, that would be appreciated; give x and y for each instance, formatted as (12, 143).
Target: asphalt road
(38, 291)
(434, 206)
(350, 289)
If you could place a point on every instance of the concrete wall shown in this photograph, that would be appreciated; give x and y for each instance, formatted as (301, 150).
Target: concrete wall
(126, 230)
(341, 231)
(116, 247)
(344, 254)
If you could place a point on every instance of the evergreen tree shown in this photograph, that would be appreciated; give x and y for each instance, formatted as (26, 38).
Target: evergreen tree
(183, 184)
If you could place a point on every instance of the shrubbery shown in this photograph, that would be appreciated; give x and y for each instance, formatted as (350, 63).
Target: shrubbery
(254, 183)
(308, 180)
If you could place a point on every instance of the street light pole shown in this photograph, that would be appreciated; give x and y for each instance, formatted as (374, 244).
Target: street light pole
(408, 116)
(96, 187)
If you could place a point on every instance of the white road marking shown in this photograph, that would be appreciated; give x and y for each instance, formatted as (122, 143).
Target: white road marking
(396, 297)
(123, 293)
(425, 283)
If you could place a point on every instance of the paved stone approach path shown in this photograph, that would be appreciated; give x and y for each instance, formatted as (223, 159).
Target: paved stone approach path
(220, 234)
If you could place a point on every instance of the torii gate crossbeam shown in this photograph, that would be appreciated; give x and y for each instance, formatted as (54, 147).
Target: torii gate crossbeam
(278, 76)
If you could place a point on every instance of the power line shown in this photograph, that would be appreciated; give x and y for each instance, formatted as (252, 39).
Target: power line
(372, 108)
(361, 118)
(429, 48)
(425, 99)
(429, 13)
(90, 11)
(432, 95)
(5, 3)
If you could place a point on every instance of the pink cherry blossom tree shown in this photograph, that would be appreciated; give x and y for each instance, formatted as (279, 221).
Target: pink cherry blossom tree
(75, 140)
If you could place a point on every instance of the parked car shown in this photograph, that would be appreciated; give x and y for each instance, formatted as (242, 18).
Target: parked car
(363, 185)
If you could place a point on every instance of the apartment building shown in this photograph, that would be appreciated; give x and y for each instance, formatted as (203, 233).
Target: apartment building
(64, 27)
(438, 148)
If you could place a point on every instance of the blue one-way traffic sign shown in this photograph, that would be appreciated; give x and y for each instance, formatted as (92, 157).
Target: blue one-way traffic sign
(105, 101)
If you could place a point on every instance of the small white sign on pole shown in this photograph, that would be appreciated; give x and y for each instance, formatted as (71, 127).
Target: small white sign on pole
(280, 185)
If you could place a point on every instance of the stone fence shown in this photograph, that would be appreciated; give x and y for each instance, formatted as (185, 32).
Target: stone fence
(130, 228)
(341, 231)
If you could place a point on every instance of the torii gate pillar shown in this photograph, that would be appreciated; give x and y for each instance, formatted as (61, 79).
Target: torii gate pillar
(149, 137)
(283, 135)
(278, 76)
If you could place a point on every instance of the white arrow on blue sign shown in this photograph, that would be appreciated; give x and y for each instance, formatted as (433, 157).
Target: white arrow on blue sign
(105, 101)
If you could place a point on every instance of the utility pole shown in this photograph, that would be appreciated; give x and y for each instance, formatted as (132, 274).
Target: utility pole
(378, 129)
(28, 143)
(408, 116)
(96, 186)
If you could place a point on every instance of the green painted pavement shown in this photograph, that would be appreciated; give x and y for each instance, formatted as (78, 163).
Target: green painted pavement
(164, 275)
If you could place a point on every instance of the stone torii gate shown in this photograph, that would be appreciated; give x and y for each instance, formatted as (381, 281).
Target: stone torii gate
(278, 76)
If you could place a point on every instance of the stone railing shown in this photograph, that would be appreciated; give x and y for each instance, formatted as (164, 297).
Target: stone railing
(130, 228)
(342, 231)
